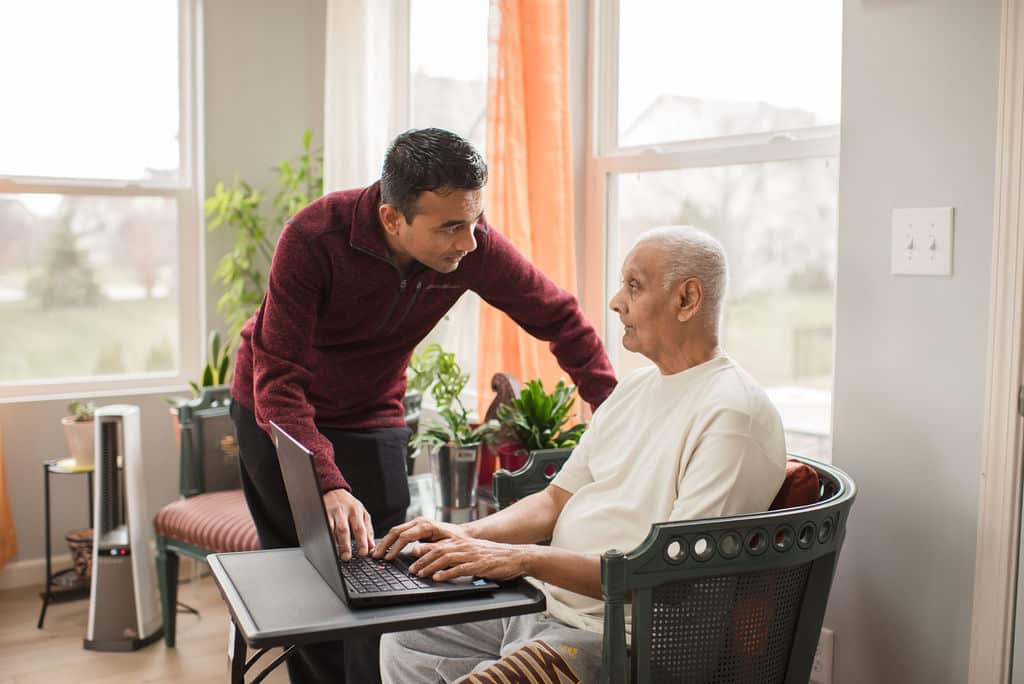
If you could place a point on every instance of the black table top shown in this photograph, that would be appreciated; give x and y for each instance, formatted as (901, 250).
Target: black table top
(277, 598)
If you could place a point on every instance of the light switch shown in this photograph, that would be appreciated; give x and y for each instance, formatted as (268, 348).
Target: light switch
(922, 241)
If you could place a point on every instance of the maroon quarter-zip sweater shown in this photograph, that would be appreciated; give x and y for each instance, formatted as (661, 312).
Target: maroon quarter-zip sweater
(332, 340)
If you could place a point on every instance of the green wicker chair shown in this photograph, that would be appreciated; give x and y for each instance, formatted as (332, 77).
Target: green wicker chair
(211, 516)
(540, 468)
(736, 599)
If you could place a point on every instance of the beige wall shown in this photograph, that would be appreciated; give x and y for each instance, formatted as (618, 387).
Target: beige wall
(918, 130)
(263, 84)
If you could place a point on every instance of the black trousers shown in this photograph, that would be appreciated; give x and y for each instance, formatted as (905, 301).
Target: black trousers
(373, 463)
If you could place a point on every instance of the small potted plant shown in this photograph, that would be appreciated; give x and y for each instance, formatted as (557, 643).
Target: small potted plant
(453, 445)
(79, 433)
(215, 372)
(536, 420)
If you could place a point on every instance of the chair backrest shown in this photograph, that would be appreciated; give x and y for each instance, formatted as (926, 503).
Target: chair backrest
(540, 468)
(736, 599)
(209, 453)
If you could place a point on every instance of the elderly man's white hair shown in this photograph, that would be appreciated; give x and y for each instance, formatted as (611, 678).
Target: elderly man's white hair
(689, 252)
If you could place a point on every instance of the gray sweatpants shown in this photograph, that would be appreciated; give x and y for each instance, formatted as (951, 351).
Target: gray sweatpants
(526, 648)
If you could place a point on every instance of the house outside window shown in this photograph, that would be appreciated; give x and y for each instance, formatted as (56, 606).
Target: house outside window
(725, 116)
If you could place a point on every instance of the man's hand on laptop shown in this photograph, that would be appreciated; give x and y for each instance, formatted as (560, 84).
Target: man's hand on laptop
(349, 522)
(420, 529)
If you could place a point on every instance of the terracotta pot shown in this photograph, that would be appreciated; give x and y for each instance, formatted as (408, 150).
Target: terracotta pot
(488, 464)
(513, 456)
(80, 437)
(176, 424)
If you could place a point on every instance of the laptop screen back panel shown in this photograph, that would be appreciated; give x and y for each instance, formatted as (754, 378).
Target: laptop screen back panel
(308, 509)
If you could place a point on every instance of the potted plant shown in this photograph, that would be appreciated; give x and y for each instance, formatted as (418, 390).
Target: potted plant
(239, 206)
(215, 372)
(79, 432)
(536, 420)
(453, 445)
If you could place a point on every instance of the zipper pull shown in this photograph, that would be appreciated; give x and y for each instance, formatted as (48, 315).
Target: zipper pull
(401, 286)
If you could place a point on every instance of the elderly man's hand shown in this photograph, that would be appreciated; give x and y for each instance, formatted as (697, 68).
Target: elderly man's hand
(466, 557)
(420, 529)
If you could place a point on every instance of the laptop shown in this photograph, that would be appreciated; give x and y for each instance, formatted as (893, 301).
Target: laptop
(362, 581)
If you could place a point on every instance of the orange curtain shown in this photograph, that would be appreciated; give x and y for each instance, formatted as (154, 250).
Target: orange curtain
(529, 193)
(8, 540)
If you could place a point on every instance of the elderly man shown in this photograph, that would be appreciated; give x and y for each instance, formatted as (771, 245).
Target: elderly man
(692, 436)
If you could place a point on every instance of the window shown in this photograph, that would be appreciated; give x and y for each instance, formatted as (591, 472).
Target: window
(448, 46)
(725, 116)
(98, 213)
(448, 66)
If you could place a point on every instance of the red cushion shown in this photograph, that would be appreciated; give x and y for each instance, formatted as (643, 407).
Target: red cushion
(800, 488)
(217, 522)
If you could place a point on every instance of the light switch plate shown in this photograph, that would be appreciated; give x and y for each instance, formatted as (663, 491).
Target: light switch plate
(922, 241)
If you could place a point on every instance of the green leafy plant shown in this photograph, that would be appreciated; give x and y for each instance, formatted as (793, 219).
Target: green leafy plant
(218, 362)
(240, 206)
(82, 411)
(537, 418)
(215, 372)
(67, 279)
(437, 371)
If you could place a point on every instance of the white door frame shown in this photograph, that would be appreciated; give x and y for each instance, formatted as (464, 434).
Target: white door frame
(999, 496)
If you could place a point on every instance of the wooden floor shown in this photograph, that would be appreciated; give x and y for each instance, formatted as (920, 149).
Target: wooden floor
(54, 654)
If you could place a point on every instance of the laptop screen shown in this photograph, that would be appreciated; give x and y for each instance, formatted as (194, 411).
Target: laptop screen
(308, 508)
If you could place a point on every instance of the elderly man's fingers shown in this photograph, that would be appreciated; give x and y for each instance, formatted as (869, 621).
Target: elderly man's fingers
(400, 535)
(389, 538)
(440, 559)
(454, 572)
(419, 530)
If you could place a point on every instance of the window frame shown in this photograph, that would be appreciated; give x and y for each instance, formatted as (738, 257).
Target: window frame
(605, 157)
(191, 252)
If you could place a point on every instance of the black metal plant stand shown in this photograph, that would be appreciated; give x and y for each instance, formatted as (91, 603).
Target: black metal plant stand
(63, 585)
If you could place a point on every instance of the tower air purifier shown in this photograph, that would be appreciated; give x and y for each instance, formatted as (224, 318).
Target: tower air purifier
(123, 610)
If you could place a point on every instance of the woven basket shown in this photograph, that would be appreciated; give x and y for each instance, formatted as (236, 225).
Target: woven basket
(80, 543)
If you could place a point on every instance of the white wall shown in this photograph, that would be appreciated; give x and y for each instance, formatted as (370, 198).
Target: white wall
(918, 130)
(263, 85)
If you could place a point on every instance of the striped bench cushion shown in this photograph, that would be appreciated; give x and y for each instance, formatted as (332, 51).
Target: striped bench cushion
(217, 522)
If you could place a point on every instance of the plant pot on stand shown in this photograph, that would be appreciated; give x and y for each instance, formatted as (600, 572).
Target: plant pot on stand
(80, 438)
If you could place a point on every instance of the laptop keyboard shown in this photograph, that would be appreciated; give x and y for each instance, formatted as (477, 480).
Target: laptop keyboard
(366, 576)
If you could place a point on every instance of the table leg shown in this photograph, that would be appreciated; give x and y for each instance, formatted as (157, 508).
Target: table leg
(88, 496)
(49, 569)
(237, 655)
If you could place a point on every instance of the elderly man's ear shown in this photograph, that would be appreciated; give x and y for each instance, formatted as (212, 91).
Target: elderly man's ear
(689, 299)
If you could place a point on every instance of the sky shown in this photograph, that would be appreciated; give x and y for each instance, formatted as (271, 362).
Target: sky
(784, 52)
(96, 90)
(95, 99)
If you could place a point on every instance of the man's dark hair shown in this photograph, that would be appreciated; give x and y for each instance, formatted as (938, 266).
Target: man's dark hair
(428, 159)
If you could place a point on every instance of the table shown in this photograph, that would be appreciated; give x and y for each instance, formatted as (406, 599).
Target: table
(62, 585)
(265, 616)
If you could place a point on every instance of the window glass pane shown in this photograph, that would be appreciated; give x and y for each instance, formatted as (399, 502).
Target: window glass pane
(88, 286)
(777, 223)
(95, 90)
(692, 69)
(448, 66)
(448, 81)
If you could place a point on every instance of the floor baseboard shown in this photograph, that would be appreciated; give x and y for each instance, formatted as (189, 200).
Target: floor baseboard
(29, 572)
